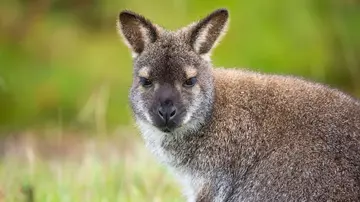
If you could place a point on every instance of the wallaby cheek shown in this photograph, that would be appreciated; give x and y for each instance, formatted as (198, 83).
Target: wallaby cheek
(140, 102)
(187, 97)
(196, 90)
(193, 103)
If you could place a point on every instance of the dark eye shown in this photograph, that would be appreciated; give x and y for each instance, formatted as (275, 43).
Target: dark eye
(190, 82)
(145, 82)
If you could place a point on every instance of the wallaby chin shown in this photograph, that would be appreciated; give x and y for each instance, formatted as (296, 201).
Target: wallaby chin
(237, 135)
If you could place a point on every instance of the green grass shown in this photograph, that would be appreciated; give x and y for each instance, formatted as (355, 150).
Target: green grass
(99, 173)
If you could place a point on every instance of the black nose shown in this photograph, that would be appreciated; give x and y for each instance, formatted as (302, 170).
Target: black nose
(167, 111)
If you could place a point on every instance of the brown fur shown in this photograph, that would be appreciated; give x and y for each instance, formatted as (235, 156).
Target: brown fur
(293, 140)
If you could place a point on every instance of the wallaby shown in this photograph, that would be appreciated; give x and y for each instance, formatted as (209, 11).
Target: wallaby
(233, 134)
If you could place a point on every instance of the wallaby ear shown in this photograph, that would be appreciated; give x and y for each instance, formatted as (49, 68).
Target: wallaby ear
(136, 30)
(208, 31)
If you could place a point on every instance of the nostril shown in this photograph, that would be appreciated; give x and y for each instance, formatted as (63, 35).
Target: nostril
(161, 113)
(173, 112)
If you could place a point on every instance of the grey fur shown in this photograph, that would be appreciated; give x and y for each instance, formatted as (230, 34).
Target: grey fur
(249, 136)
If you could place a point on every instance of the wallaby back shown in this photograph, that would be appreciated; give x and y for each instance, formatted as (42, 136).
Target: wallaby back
(294, 140)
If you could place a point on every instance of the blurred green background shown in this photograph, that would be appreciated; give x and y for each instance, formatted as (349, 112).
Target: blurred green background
(63, 62)
(63, 67)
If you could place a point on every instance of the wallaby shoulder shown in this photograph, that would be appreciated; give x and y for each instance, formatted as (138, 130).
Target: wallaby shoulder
(283, 127)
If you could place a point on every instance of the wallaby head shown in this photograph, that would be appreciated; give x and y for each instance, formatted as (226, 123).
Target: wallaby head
(172, 85)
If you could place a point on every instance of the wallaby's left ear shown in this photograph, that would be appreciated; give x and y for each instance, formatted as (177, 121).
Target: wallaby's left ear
(136, 30)
(208, 31)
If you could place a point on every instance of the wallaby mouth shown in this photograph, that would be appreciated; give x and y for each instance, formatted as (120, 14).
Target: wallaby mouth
(166, 130)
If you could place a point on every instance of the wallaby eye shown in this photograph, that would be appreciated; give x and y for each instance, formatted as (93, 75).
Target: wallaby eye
(145, 82)
(190, 82)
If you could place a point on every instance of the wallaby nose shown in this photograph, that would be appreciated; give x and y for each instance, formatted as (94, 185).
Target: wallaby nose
(167, 111)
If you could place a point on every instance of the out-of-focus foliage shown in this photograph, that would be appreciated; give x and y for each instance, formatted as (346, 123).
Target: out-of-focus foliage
(62, 62)
(94, 169)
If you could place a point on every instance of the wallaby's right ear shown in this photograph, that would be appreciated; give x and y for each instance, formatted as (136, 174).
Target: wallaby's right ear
(136, 30)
